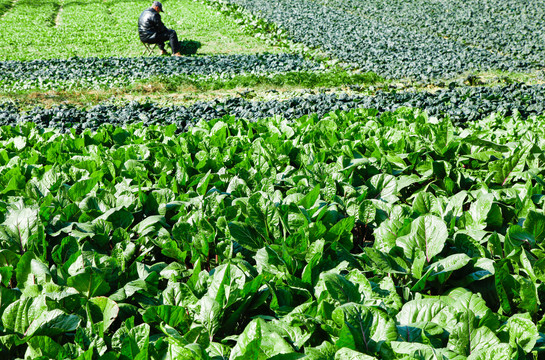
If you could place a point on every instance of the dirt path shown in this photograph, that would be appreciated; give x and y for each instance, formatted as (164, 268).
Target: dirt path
(12, 5)
(58, 18)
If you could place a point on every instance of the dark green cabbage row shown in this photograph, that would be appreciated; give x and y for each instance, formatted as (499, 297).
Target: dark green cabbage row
(388, 50)
(460, 104)
(512, 27)
(99, 72)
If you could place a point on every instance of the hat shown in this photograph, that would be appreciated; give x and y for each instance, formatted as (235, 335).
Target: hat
(158, 4)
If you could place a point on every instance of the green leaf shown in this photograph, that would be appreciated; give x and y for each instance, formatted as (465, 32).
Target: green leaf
(268, 262)
(522, 332)
(218, 351)
(218, 134)
(484, 212)
(325, 351)
(482, 338)
(535, 225)
(468, 245)
(529, 299)
(506, 286)
(7, 297)
(310, 199)
(104, 310)
(428, 234)
(248, 343)
(425, 311)
(179, 294)
(150, 225)
(439, 270)
(119, 217)
(179, 350)
(44, 346)
(8, 258)
(31, 271)
(462, 300)
(211, 315)
(363, 328)
(21, 313)
(385, 262)
(385, 187)
(6, 272)
(135, 344)
(338, 288)
(449, 264)
(423, 203)
(505, 168)
(262, 215)
(342, 232)
(82, 188)
(422, 351)
(495, 352)
(517, 238)
(245, 236)
(348, 354)
(466, 337)
(18, 229)
(273, 344)
(174, 316)
(16, 182)
(53, 323)
(89, 283)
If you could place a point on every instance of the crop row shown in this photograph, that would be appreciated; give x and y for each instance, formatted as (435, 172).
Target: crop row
(511, 27)
(347, 237)
(464, 104)
(108, 72)
(386, 49)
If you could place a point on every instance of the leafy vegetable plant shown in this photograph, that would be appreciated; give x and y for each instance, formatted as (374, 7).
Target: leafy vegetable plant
(345, 236)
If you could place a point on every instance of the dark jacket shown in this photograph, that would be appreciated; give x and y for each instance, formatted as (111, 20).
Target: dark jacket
(149, 25)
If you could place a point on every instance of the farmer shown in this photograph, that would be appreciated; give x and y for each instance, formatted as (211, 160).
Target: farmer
(152, 30)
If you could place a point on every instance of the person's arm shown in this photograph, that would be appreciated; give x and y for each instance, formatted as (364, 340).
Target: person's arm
(159, 26)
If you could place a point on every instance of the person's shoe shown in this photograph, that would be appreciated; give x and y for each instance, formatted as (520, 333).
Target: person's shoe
(164, 53)
(177, 54)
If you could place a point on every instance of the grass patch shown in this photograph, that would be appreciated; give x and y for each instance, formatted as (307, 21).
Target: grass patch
(105, 28)
(301, 79)
(182, 89)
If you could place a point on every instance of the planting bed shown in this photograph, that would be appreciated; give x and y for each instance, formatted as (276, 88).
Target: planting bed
(373, 45)
(347, 236)
(511, 27)
(464, 104)
(109, 72)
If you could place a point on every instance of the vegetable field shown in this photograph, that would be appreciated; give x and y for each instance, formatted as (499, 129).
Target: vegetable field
(460, 105)
(331, 237)
(379, 41)
(115, 71)
(323, 180)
